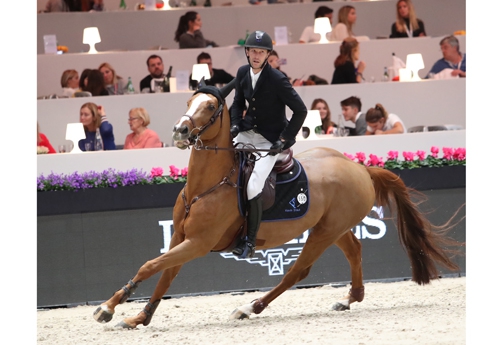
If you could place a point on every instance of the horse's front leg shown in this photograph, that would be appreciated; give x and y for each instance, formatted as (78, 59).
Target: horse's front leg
(180, 253)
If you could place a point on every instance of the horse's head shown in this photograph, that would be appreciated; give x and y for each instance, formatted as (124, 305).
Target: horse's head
(205, 108)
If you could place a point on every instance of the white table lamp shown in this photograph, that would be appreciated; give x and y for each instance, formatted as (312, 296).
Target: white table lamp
(322, 26)
(91, 37)
(313, 120)
(75, 132)
(414, 63)
(199, 71)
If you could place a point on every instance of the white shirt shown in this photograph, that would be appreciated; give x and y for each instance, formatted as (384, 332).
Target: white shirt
(254, 77)
(392, 119)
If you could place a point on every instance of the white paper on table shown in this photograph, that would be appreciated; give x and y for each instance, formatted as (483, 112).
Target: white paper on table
(182, 78)
(445, 74)
(50, 44)
(281, 35)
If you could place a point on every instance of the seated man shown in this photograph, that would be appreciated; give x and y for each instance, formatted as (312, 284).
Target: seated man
(218, 76)
(156, 77)
(308, 34)
(351, 110)
(453, 62)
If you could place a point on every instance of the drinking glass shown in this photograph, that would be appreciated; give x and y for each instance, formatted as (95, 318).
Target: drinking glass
(89, 146)
(61, 148)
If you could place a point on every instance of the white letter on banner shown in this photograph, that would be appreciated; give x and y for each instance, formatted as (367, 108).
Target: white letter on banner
(167, 234)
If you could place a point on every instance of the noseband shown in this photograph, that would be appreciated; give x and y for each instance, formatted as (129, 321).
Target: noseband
(196, 138)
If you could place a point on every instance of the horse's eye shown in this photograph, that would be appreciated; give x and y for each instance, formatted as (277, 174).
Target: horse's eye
(211, 107)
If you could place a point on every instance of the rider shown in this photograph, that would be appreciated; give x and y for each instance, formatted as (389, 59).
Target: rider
(265, 126)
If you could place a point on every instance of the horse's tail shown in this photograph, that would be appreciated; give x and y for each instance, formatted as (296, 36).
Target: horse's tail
(424, 242)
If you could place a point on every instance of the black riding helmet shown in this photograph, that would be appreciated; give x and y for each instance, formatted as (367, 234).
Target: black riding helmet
(261, 40)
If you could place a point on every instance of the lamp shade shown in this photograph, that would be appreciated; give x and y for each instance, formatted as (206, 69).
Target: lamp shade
(75, 132)
(322, 26)
(313, 120)
(91, 37)
(414, 63)
(199, 71)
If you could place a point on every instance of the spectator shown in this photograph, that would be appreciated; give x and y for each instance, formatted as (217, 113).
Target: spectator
(156, 77)
(42, 142)
(380, 122)
(346, 20)
(114, 83)
(327, 124)
(351, 110)
(189, 34)
(407, 24)
(345, 70)
(70, 82)
(275, 62)
(97, 5)
(95, 83)
(453, 62)
(217, 76)
(63, 6)
(83, 78)
(93, 118)
(308, 35)
(141, 137)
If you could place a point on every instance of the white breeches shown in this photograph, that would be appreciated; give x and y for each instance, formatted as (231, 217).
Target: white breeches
(263, 166)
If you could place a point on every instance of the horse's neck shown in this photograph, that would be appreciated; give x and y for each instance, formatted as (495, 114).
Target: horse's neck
(209, 167)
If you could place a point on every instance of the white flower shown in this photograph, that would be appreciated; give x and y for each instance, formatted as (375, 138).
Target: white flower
(41, 150)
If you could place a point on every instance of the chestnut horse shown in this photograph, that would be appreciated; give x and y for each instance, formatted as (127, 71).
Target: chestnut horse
(341, 193)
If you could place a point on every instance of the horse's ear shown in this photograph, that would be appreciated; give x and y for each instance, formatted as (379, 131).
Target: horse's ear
(226, 89)
(202, 83)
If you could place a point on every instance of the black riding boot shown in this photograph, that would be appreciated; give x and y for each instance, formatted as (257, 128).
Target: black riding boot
(246, 248)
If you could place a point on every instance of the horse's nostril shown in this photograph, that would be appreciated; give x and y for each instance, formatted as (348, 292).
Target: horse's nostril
(183, 130)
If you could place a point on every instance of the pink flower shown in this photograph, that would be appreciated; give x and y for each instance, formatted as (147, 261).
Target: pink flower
(421, 154)
(184, 172)
(408, 156)
(174, 172)
(351, 157)
(392, 155)
(375, 161)
(361, 157)
(434, 151)
(459, 154)
(157, 172)
(447, 153)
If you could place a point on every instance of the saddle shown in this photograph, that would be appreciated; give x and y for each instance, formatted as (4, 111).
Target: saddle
(283, 164)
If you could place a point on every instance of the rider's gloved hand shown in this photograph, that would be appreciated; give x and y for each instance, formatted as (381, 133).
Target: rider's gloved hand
(234, 130)
(278, 146)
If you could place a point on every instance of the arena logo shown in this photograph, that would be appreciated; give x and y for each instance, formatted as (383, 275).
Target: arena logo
(276, 259)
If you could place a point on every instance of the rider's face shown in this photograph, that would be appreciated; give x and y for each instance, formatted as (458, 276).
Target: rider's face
(257, 57)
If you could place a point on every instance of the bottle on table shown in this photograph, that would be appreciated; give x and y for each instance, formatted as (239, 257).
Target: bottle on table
(386, 75)
(123, 5)
(130, 87)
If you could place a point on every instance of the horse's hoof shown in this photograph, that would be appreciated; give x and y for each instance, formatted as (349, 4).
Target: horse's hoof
(124, 325)
(238, 314)
(102, 314)
(339, 306)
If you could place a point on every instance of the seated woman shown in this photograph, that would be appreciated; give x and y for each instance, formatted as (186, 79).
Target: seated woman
(141, 137)
(345, 70)
(378, 121)
(70, 82)
(346, 20)
(188, 32)
(327, 124)
(98, 131)
(114, 83)
(94, 83)
(274, 61)
(42, 143)
(407, 24)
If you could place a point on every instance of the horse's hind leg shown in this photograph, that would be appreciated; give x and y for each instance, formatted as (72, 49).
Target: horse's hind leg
(351, 247)
(314, 247)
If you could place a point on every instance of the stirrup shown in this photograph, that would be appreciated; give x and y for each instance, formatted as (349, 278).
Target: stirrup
(149, 313)
(129, 291)
(245, 250)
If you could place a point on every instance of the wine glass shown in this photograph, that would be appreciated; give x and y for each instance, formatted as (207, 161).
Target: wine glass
(61, 148)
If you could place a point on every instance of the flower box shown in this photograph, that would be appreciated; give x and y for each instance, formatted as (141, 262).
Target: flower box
(108, 199)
